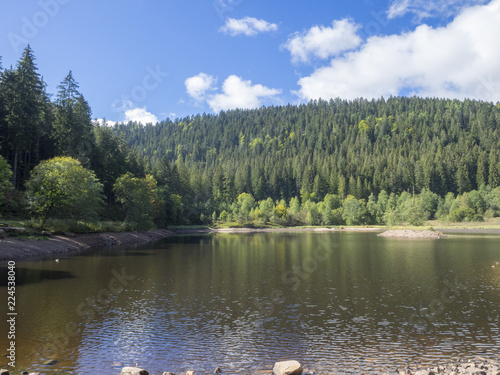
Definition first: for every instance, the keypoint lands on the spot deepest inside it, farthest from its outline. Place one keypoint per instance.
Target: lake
(338, 302)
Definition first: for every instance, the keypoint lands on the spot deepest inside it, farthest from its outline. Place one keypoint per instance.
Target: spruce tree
(73, 124)
(27, 102)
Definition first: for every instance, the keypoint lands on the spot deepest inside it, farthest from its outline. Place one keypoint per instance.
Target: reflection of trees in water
(26, 276)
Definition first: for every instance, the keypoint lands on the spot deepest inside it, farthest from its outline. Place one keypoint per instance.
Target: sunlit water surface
(338, 302)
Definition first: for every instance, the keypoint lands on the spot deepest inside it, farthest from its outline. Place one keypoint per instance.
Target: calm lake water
(338, 302)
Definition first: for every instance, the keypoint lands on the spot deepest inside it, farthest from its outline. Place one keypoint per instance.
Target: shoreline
(21, 250)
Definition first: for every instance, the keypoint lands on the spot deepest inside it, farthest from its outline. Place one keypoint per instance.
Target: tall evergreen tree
(27, 103)
(73, 122)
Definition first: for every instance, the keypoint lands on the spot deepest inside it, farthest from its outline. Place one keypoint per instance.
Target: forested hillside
(347, 147)
(334, 162)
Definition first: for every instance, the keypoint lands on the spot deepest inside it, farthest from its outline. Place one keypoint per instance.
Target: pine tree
(73, 123)
(27, 102)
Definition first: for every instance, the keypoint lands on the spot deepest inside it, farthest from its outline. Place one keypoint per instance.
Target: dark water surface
(338, 302)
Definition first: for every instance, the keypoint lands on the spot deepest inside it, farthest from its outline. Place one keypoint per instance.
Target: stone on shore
(287, 368)
(133, 371)
(4, 372)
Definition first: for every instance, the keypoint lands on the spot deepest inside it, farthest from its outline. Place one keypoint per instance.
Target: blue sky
(147, 60)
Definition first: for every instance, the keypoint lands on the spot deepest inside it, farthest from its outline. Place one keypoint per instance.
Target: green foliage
(311, 213)
(444, 206)
(72, 129)
(244, 206)
(414, 212)
(338, 147)
(266, 209)
(355, 212)
(392, 217)
(139, 200)
(224, 216)
(5, 180)
(463, 209)
(429, 203)
(62, 188)
(27, 116)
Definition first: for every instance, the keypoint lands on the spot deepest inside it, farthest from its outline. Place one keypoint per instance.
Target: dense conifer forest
(385, 161)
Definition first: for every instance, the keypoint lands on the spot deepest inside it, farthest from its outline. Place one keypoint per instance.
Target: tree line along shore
(326, 163)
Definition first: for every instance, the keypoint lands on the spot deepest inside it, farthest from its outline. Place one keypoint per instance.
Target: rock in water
(50, 362)
(133, 371)
(189, 372)
(287, 368)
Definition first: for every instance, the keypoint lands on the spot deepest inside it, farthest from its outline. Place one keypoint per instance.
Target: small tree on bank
(62, 188)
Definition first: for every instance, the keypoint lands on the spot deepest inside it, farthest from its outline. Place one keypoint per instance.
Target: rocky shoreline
(70, 243)
(478, 366)
(413, 234)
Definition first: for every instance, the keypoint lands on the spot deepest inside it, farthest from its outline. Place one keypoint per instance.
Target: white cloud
(429, 8)
(199, 85)
(324, 42)
(248, 26)
(458, 60)
(236, 93)
(140, 115)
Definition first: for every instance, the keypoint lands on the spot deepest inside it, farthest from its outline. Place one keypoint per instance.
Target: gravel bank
(14, 249)
(413, 234)
(479, 366)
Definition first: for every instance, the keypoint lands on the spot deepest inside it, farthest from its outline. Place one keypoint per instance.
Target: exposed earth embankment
(15, 249)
